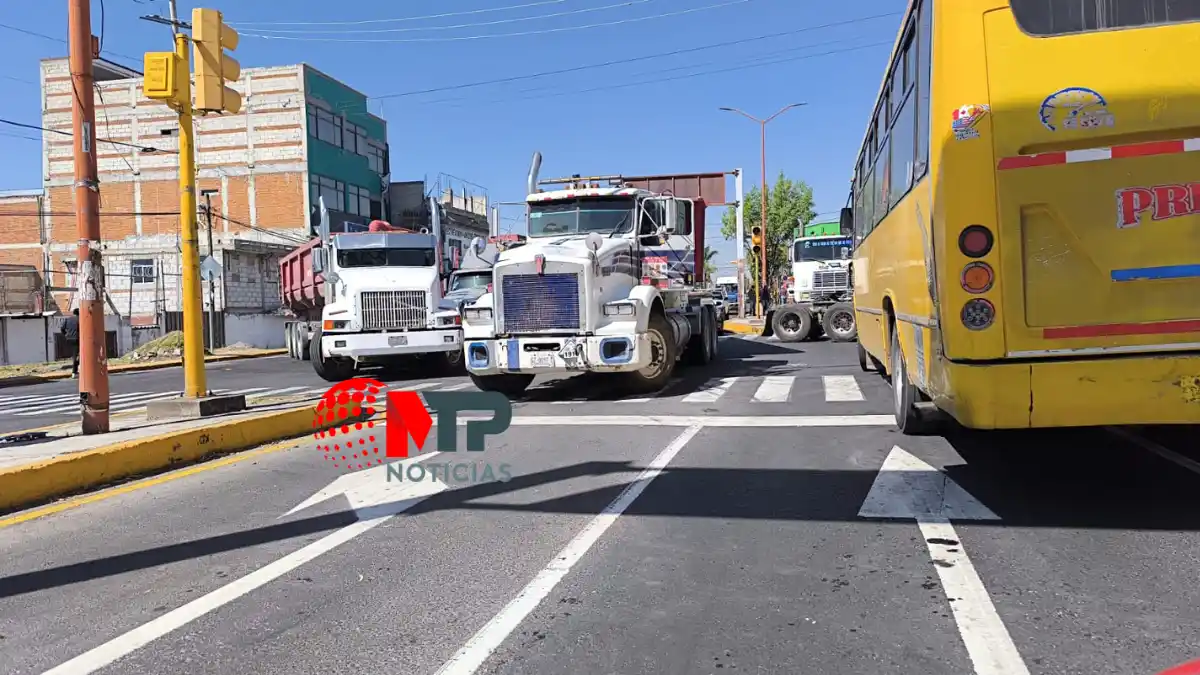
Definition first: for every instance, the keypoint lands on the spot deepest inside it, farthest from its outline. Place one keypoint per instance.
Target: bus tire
(905, 395)
(792, 323)
(839, 322)
(862, 359)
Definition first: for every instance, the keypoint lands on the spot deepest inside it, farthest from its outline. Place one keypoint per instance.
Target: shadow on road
(1083, 479)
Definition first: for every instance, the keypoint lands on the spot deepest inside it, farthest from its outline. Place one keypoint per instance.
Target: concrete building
(300, 134)
(465, 209)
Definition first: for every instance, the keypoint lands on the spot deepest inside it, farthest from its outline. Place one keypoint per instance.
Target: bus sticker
(1162, 201)
(965, 119)
(1075, 108)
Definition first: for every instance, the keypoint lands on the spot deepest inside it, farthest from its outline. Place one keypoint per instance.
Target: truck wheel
(663, 354)
(453, 363)
(302, 342)
(792, 323)
(715, 337)
(289, 342)
(905, 395)
(330, 370)
(700, 346)
(511, 385)
(839, 322)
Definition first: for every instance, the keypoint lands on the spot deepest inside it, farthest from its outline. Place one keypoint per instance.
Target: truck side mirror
(847, 221)
(670, 213)
(447, 267)
(318, 260)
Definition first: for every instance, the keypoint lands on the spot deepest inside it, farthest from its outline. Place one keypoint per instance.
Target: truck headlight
(334, 325)
(450, 320)
(477, 315)
(624, 308)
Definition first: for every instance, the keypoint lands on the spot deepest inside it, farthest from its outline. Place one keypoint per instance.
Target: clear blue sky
(667, 122)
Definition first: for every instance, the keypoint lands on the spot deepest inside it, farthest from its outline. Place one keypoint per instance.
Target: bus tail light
(975, 241)
(977, 277)
(978, 314)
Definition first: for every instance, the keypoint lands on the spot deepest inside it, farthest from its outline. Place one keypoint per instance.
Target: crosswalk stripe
(711, 394)
(72, 403)
(841, 388)
(456, 387)
(775, 389)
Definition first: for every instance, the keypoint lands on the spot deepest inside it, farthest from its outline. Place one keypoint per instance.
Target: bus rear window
(1045, 18)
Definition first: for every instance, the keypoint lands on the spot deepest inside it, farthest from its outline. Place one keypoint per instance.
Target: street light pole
(760, 304)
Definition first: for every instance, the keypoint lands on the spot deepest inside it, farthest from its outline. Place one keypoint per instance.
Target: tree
(710, 267)
(789, 205)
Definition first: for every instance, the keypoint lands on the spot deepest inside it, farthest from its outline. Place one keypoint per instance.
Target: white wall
(25, 340)
(257, 330)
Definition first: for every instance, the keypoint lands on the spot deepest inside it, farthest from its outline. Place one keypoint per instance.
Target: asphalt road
(742, 529)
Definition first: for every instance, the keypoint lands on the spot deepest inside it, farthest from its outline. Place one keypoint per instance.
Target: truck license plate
(397, 340)
(542, 360)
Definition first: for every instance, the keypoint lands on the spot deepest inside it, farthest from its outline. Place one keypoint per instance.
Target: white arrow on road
(375, 501)
(910, 489)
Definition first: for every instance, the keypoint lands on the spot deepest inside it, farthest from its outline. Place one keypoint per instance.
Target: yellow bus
(1026, 212)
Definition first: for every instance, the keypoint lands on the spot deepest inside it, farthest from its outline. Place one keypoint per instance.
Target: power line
(656, 72)
(261, 230)
(520, 19)
(543, 31)
(541, 3)
(143, 148)
(635, 59)
(136, 59)
(622, 85)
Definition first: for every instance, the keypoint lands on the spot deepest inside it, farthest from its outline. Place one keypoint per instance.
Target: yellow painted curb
(32, 483)
(22, 380)
(742, 328)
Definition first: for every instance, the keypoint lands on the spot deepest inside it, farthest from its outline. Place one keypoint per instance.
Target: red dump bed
(299, 288)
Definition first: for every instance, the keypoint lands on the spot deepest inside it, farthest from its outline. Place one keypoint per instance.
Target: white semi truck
(604, 283)
(822, 298)
(374, 298)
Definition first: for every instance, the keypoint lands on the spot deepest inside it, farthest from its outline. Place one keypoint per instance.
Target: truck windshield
(467, 281)
(386, 257)
(581, 216)
(822, 249)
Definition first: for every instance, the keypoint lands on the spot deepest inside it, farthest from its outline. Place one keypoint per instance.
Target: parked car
(720, 304)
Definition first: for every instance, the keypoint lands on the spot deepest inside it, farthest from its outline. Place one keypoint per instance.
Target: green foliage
(710, 266)
(789, 205)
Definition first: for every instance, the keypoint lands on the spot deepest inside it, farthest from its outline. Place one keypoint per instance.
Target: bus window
(1045, 18)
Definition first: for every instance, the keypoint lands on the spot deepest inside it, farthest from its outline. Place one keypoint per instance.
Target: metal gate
(173, 321)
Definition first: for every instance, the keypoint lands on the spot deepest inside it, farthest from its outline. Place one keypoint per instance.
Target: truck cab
(603, 284)
(383, 302)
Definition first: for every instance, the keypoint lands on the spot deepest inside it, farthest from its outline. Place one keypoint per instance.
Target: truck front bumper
(614, 353)
(367, 345)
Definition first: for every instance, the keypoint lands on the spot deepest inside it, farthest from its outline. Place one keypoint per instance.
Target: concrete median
(22, 380)
(31, 484)
(743, 326)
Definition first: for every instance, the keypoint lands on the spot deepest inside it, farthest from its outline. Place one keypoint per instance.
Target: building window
(360, 201)
(325, 126)
(375, 158)
(141, 271)
(333, 192)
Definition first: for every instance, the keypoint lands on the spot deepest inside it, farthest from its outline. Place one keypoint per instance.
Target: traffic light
(164, 72)
(210, 38)
(756, 240)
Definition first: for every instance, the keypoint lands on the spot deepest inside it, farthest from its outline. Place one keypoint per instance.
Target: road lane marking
(472, 655)
(711, 394)
(841, 388)
(127, 643)
(775, 389)
(1158, 449)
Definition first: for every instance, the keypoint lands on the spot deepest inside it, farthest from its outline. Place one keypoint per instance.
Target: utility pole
(765, 233)
(93, 364)
(212, 284)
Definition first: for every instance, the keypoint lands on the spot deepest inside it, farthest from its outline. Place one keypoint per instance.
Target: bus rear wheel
(905, 395)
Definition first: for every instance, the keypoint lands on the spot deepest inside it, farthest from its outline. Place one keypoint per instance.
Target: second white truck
(604, 283)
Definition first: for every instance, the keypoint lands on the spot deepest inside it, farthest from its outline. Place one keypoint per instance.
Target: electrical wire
(622, 85)
(107, 124)
(261, 230)
(470, 12)
(135, 59)
(143, 148)
(544, 31)
(635, 59)
(538, 17)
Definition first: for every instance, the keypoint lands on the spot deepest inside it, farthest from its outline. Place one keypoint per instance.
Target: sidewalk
(39, 466)
(61, 370)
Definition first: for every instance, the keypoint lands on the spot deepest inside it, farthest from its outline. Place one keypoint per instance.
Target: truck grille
(535, 302)
(384, 310)
(833, 280)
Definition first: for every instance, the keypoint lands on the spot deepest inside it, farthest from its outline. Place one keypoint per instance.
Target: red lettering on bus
(1162, 201)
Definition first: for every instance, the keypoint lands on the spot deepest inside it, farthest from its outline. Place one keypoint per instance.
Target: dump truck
(370, 299)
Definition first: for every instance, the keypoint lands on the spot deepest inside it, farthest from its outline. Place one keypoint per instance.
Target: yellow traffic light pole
(168, 79)
(757, 247)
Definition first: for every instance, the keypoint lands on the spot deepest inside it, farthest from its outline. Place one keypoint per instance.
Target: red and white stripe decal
(1116, 329)
(1097, 154)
